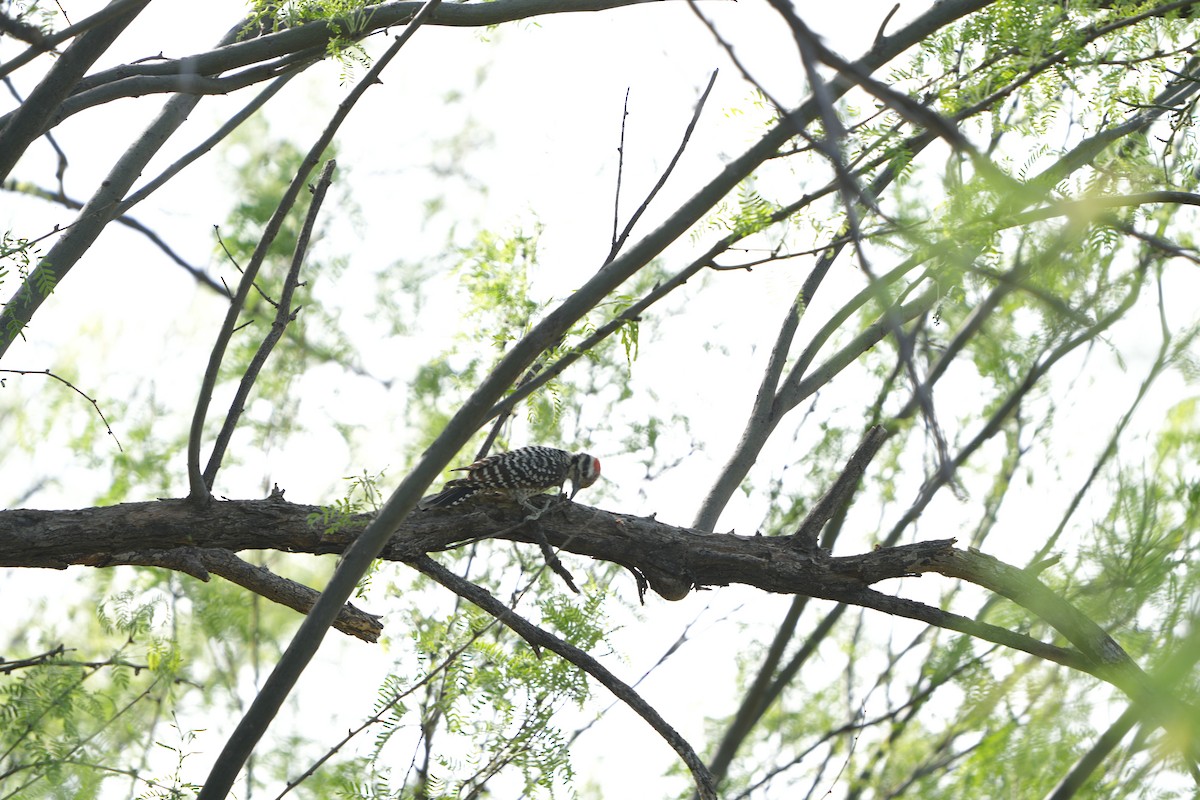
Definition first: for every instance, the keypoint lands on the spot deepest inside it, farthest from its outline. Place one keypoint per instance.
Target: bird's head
(583, 472)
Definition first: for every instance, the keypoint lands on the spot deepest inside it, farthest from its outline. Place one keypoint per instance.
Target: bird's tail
(453, 493)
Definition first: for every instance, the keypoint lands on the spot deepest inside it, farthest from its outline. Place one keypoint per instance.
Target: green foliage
(348, 22)
(31, 12)
(44, 278)
(61, 718)
(752, 214)
(362, 495)
(1141, 555)
(143, 468)
(20, 252)
(495, 274)
(487, 705)
(501, 300)
(175, 787)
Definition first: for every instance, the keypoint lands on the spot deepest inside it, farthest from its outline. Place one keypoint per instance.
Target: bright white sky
(551, 102)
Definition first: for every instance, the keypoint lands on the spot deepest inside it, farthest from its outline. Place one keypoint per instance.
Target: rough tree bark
(674, 561)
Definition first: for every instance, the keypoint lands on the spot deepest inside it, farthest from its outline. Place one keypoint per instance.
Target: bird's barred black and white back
(519, 474)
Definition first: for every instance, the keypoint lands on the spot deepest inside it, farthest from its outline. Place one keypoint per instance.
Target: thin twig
(61, 170)
(662, 180)
(671, 650)
(502, 419)
(8, 666)
(1013, 400)
(553, 561)
(73, 387)
(537, 376)
(883, 25)
(811, 50)
(378, 716)
(233, 260)
(620, 169)
(198, 485)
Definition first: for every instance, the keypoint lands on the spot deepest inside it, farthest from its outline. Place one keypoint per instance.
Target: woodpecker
(519, 474)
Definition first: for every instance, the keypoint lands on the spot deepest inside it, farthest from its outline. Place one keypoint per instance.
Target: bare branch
(198, 487)
(837, 498)
(185, 83)
(1074, 780)
(284, 314)
(107, 427)
(800, 385)
(768, 684)
(264, 53)
(620, 172)
(45, 43)
(1087, 208)
(619, 241)
(7, 667)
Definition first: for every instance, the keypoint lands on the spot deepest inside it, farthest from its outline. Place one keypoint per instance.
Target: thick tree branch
(178, 535)
(199, 562)
(185, 83)
(284, 591)
(140, 533)
(264, 54)
(27, 123)
(99, 210)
